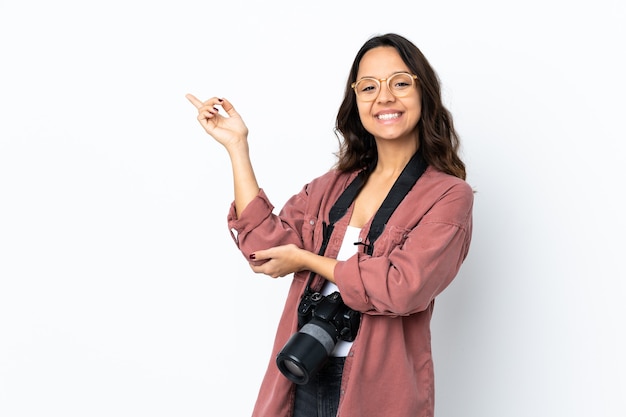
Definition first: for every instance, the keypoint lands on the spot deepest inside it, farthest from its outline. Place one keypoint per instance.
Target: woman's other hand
(277, 261)
(228, 131)
(283, 260)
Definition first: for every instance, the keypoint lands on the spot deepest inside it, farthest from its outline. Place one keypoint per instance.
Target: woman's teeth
(388, 116)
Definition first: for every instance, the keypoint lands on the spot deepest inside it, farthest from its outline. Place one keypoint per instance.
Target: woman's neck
(392, 158)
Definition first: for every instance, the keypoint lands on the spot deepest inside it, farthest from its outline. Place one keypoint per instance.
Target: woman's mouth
(388, 116)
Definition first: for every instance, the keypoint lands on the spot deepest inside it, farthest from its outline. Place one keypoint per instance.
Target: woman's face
(388, 117)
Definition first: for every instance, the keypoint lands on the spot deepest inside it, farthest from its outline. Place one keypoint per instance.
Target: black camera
(322, 321)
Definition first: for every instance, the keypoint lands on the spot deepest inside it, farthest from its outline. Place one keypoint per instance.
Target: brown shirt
(388, 371)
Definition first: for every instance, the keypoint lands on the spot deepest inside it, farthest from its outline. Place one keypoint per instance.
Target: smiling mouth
(388, 116)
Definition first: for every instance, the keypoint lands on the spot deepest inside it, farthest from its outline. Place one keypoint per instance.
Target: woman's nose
(385, 93)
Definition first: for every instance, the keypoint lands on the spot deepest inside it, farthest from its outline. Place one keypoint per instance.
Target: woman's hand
(232, 133)
(283, 260)
(277, 261)
(228, 131)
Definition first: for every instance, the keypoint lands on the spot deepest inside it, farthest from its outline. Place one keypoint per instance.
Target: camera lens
(293, 368)
(305, 352)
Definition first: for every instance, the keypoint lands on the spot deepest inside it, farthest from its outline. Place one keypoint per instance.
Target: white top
(348, 248)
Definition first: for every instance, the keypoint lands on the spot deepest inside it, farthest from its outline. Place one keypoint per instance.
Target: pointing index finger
(194, 100)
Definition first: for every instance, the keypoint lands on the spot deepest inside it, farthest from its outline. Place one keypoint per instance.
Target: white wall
(121, 293)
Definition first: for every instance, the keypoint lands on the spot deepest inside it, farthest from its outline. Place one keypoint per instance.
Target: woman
(391, 112)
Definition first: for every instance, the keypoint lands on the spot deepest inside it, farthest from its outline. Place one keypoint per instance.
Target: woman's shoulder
(440, 179)
(445, 190)
(331, 178)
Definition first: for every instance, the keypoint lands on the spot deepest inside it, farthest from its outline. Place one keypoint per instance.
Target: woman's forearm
(321, 265)
(245, 185)
(231, 132)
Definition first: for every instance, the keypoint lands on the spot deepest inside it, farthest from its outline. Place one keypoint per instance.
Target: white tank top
(348, 248)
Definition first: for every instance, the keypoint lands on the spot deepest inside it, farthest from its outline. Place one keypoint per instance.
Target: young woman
(379, 363)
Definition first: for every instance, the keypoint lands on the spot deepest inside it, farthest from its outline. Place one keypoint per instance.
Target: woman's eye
(367, 86)
(401, 81)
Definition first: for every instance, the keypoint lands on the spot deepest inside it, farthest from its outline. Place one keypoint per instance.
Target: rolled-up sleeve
(410, 267)
(257, 227)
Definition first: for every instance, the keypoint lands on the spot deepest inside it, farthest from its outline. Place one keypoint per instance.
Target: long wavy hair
(439, 142)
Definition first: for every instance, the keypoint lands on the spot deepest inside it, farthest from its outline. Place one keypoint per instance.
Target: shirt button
(311, 222)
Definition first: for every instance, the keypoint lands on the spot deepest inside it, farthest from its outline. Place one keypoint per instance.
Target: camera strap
(408, 177)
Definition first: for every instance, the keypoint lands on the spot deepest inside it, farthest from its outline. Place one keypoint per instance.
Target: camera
(322, 320)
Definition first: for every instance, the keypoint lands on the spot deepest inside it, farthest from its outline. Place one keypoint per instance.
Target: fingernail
(220, 100)
(252, 256)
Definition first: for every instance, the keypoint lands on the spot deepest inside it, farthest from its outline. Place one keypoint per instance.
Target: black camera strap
(408, 177)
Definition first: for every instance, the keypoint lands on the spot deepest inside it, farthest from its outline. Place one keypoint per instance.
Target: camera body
(322, 320)
(324, 310)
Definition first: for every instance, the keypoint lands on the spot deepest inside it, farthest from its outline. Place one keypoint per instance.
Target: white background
(121, 293)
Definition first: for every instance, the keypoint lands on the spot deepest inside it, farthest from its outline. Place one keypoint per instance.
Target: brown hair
(439, 142)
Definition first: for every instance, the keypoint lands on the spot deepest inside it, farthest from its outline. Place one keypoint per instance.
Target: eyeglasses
(368, 88)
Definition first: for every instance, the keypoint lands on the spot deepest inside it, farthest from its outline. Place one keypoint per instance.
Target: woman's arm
(415, 264)
(232, 133)
(283, 260)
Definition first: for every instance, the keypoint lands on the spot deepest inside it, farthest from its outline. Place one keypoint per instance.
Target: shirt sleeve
(259, 228)
(419, 263)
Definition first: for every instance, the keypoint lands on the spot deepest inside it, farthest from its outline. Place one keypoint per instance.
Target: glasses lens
(367, 88)
(400, 84)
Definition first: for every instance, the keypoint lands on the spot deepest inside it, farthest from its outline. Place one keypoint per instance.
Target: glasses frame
(379, 81)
